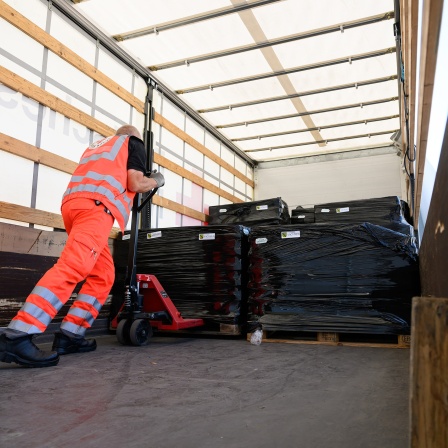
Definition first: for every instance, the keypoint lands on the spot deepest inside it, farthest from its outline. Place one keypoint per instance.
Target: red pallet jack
(146, 303)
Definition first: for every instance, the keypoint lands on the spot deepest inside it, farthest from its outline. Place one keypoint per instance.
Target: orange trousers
(86, 256)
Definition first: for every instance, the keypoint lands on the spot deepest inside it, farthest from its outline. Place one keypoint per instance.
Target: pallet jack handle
(131, 297)
(147, 199)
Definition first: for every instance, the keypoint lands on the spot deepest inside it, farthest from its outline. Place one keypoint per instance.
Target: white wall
(331, 181)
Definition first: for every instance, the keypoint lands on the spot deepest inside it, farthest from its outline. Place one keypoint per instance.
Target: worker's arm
(139, 183)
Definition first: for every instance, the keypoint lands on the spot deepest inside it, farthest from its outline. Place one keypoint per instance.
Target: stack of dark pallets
(202, 269)
(355, 270)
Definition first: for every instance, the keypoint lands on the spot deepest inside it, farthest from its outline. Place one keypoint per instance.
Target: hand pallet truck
(146, 303)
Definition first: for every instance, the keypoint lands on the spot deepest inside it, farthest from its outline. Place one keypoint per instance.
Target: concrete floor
(207, 393)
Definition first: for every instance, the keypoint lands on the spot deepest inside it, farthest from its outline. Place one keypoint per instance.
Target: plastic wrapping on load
(301, 215)
(202, 269)
(351, 278)
(379, 211)
(401, 227)
(406, 212)
(389, 212)
(264, 212)
(340, 315)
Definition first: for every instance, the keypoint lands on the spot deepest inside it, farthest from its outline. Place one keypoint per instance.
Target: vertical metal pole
(148, 139)
(131, 279)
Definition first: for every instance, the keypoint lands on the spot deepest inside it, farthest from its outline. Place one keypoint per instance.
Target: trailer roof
(279, 78)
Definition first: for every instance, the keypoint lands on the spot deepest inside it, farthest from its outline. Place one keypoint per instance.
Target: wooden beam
(39, 35)
(21, 213)
(434, 246)
(38, 155)
(409, 33)
(19, 84)
(30, 152)
(30, 215)
(429, 373)
(411, 63)
(45, 39)
(15, 82)
(201, 148)
(432, 13)
(166, 163)
(179, 208)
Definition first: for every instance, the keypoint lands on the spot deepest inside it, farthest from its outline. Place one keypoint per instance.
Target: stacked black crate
(301, 215)
(334, 277)
(266, 211)
(202, 269)
(387, 212)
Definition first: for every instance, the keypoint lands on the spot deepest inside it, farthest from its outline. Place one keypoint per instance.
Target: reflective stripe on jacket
(102, 175)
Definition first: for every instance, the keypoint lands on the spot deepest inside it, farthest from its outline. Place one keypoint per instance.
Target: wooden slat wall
(201, 148)
(45, 39)
(431, 17)
(409, 25)
(434, 245)
(429, 383)
(39, 155)
(47, 158)
(39, 35)
(27, 88)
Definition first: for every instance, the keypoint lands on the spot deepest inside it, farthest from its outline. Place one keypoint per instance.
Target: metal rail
(314, 142)
(340, 27)
(343, 60)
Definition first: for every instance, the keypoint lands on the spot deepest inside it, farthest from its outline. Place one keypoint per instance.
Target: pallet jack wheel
(140, 332)
(123, 331)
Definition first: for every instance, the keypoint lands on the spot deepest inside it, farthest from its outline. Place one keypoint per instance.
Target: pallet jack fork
(146, 303)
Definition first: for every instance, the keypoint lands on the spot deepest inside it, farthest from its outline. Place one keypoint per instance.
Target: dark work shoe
(65, 345)
(23, 351)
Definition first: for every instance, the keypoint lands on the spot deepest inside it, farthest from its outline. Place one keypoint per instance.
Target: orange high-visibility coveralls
(96, 195)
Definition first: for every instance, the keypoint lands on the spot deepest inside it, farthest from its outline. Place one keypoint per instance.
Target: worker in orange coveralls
(111, 171)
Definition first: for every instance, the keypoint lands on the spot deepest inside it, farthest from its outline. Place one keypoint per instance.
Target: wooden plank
(409, 24)
(38, 155)
(328, 337)
(201, 148)
(19, 84)
(229, 329)
(431, 18)
(411, 63)
(179, 208)
(429, 373)
(29, 215)
(26, 240)
(166, 163)
(39, 35)
(334, 339)
(32, 30)
(30, 152)
(434, 245)
(33, 216)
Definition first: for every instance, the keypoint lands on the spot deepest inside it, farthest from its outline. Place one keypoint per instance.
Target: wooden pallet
(337, 339)
(223, 330)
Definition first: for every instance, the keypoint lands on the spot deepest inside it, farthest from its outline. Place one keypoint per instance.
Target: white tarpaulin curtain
(331, 87)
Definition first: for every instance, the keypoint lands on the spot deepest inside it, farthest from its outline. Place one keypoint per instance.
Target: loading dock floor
(207, 393)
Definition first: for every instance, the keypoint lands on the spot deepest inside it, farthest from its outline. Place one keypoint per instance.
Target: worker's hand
(158, 177)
